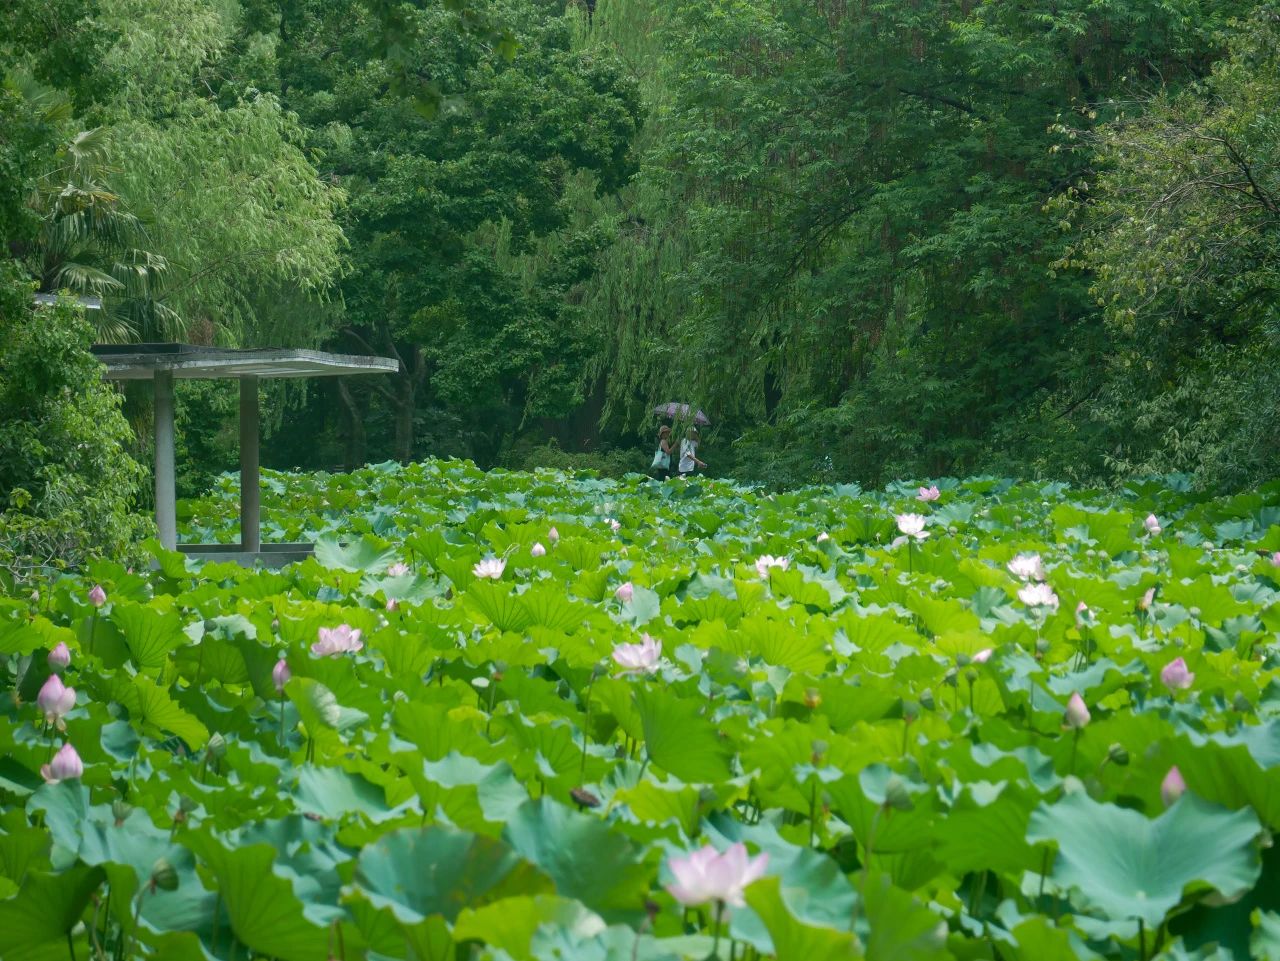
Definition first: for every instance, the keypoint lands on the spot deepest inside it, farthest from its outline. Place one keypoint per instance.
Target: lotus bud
(982, 656)
(812, 698)
(1152, 524)
(971, 675)
(553, 535)
(97, 596)
(66, 765)
(120, 810)
(59, 657)
(1117, 755)
(275, 625)
(823, 537)
(951, 678)
(537, 550)
(1172, 787)
(910, 711)
(1175, 675)
(1076, 715)
(164, 876)
(210, 625)
(280, 675)
(625, 592)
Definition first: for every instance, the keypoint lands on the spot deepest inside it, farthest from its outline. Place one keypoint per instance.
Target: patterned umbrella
(675, 409)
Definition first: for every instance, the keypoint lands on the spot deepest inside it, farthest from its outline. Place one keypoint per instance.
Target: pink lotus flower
(1152, 524)
(767, 561)
(912, 525)
(280, 674)
(333, 641)
(1275, 559)
(625, 592)
(982, 656)
(1083, 614)
(537, 550)
(1077, 714)
(1175, 675)
(97, 596)
(55, 700)
(1172, 787)
(60, 657)
(553, 535)
(1038, 595)
(614, 525)
(1027, 567)
(392, 604)
(707, 875)
(66, 764)
(398, 569)
(930, 493)
(639, 658)
(490, 567)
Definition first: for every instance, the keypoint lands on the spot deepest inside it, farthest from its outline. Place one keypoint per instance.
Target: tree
(1183, 240)
(67, 484)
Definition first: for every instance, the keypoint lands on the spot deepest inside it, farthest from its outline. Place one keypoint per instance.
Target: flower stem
(715, 944)
(1075, 742)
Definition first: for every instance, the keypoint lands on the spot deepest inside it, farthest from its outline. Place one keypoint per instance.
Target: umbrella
(674, 409)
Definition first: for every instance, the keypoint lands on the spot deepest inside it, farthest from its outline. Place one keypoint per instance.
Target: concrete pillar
(250, 485)
(166, 502)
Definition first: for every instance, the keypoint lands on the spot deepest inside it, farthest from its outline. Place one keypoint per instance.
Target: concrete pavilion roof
(187, 361)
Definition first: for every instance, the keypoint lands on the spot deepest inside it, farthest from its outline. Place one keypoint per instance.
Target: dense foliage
(1040, 725)
(870, 239)
(68, 487)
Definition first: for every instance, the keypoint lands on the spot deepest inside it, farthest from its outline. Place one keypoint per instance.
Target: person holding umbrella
(688, 460)
(664, 458)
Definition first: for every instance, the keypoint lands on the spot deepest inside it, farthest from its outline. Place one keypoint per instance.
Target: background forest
(871, 239)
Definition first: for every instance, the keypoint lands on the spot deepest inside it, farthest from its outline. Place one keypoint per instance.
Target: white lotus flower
(767, 561)
(1038, 595)
(912, 525)
(639, 658)
(490, 567)
(1027, 567)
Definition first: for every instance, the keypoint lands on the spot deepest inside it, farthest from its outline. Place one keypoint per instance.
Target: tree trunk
(356, 444)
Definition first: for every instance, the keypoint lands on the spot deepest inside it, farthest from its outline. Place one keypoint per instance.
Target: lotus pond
(543, 716)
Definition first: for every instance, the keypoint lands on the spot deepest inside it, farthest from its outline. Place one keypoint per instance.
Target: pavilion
(163, 363)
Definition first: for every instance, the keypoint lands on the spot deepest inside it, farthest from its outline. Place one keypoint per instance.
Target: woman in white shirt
(689, 453)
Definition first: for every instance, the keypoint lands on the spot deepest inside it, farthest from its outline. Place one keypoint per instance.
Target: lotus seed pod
(971, 675)
(187, 804)
(910, 711)
(217, 746)
(926, 700)
(1118, 755)
(164, 876)
(896, 795)
(951, 678)
(1042, 645)
(812, 698)
(963, 660)
(818, 749)
(120, 810)
(1241, 703)
(210, 625)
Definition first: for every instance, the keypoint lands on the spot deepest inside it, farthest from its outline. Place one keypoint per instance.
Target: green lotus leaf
(679, 739)
(368, 555)
(1127, 866)
(149, 634)
(45, 909)
(793, 938)
(582, 856)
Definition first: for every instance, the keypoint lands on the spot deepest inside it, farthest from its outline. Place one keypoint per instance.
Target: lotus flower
(640, 658)
(1275, 559)
(707, 875)
(930, 493)
(766, 561)
(392, 604)
(337, 640)
(59, 657)
(912, 525)
(1172, 787)
(614, 524)
(982, 656)
(1083, 614)
(55, 700)
(1077, 714)
(1027, 567)
(490, 567)
(66, 764)
(398, 569)
(625, 592)
(553, 535)
(1038, 595)
(280, 674)
(1175, 675)
(1147, 599)
(537, 550)
(97, 596)
(823, 537)
(1152, 524)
